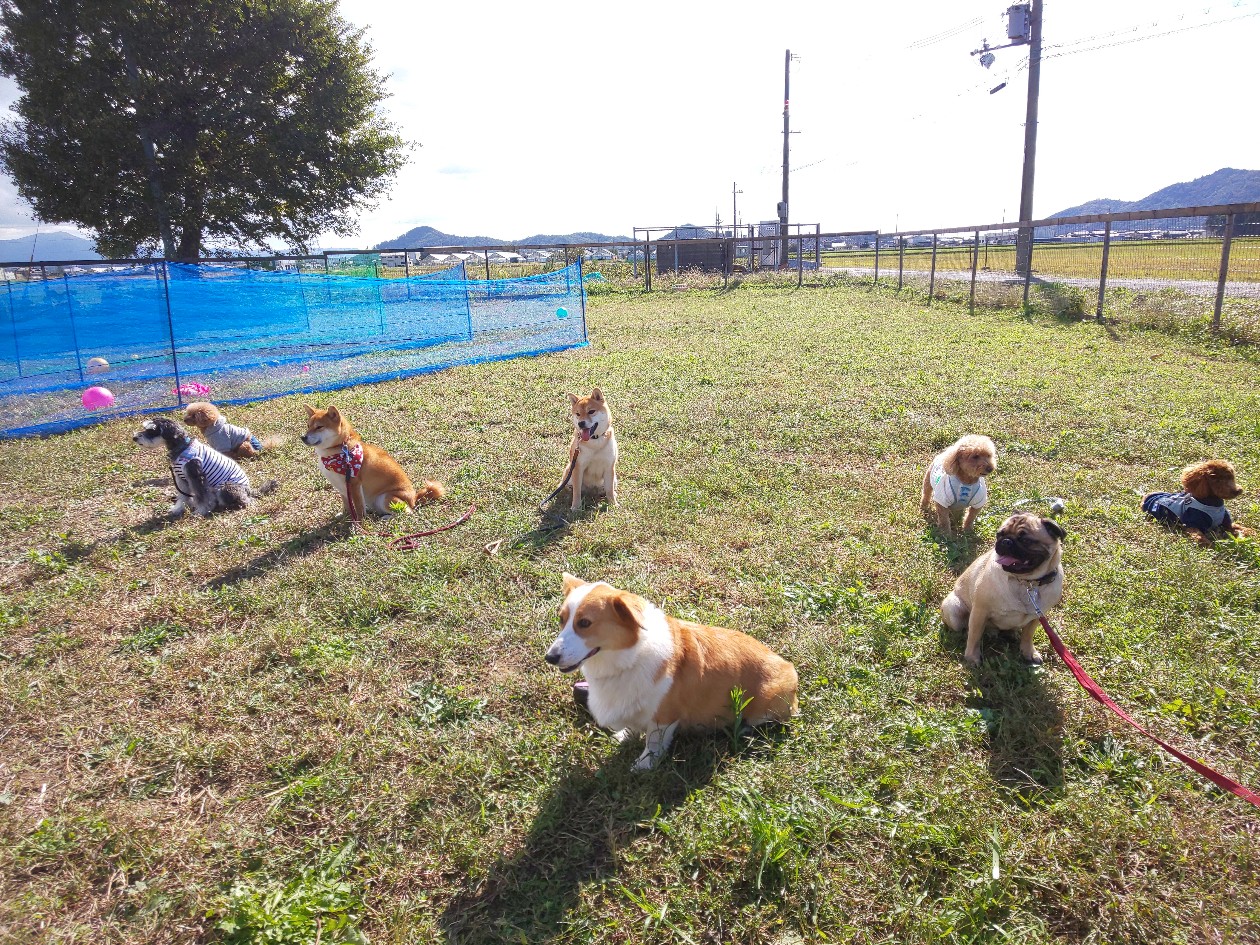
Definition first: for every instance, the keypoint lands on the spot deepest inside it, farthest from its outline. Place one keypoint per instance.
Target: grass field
(1128, 259)
(254, 729)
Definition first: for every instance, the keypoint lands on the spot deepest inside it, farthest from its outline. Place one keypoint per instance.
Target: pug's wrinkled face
(1026, 542)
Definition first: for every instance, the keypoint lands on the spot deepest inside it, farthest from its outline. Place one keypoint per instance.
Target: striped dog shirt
(218, 469)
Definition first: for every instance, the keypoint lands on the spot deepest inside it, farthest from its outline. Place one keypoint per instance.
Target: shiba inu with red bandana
(593, 450)
(379, 481)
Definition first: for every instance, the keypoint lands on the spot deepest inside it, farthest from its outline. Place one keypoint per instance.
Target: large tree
(186, 124)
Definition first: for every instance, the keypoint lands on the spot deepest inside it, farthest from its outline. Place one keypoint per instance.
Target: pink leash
(1089, 685)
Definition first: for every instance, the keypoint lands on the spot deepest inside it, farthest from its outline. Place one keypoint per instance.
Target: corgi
(379, 480)
(649, 673)
(593, 450)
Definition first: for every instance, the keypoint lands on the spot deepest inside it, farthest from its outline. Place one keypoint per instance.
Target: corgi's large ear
(597, 394)
(627, 610)
(570, 582)
(310, 411)
(572, 399)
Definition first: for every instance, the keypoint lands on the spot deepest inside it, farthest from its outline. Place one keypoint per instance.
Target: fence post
(406, 265)
(1028, 271)
(17, 352)
(876, 282)
(675, 252)
(170, 327)
(647, 263)
(817, 247)
(800, 261)
(1220, 282)
(74, 334)
(901, 260)
(1102, 274)
(634, 259)
(582, 296)
(932, 279)
(487, 252)
(325, 262)
(975, 260)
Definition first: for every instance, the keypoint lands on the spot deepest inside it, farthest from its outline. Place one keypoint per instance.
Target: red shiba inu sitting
(593, 450)
(379, 480)
(653, 674)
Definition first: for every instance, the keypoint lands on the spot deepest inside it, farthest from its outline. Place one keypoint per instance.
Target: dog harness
(348, 462)
(225, 437)
(219, 470)
(1184, 508)
(950, 492)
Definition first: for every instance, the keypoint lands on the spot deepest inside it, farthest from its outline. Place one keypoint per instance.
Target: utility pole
(783, 205)
(1023, 28)
(1023, 255)
(734, 215)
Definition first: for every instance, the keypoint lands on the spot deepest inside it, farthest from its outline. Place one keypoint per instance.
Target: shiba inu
(1028, 553)
(593, 450)
(652, 674)
(379, 481)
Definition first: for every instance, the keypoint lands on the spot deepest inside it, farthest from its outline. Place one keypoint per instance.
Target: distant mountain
(423, 236)
(1228, 185)
(54, 245)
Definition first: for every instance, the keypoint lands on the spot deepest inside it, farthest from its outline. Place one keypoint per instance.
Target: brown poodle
(222, 436)
(1201, 507)
(955, 480)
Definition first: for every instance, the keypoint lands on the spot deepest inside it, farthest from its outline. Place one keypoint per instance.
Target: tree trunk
(189, 244)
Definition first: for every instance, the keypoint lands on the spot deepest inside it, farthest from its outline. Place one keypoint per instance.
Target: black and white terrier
(204, 479)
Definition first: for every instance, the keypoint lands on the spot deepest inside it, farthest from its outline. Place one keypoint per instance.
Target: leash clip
(1034, 598)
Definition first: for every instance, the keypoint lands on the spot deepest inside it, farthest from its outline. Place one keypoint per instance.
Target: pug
(1028, 553)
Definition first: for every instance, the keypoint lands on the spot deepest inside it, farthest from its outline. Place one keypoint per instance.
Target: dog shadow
(588, 816)
(554, 523)
(957, 550)
(298, 546)
(1022, 716)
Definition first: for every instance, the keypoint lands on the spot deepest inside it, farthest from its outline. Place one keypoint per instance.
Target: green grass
(254, 729)
(1198, 259)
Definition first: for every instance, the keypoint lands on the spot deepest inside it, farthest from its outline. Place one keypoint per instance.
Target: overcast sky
(545, 118)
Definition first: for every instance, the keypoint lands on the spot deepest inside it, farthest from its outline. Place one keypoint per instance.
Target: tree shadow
(1023, 718)
(586, 819)
(298, 546)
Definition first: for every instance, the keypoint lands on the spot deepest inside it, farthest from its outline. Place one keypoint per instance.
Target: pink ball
(94, 398)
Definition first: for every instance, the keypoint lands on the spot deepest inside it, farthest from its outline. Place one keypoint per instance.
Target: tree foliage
(184, 124)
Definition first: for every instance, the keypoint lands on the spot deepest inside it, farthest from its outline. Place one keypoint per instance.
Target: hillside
(1228, 185)
(53, 245)
(423, 236)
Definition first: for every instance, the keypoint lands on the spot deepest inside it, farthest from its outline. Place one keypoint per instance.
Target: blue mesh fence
(164, 332)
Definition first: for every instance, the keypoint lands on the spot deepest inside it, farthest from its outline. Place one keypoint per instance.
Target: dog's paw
(622, 736)
(647, 761)
(973, 659)
(1033, 659)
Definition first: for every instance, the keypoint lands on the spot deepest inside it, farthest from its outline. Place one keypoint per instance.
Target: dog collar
(1038, 582)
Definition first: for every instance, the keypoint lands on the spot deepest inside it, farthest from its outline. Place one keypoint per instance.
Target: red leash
(409, 542)
(1089, 685)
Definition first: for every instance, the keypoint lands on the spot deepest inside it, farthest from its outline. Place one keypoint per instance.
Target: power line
(1071, 49)
(950, 33)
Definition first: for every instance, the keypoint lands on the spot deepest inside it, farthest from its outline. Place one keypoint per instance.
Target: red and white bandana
(348, 458)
